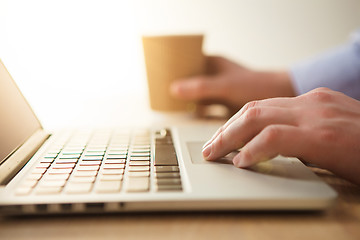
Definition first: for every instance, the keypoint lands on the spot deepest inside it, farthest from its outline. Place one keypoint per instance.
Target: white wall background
(76, 60)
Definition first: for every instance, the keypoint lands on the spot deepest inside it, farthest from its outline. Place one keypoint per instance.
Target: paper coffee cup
(169, 58)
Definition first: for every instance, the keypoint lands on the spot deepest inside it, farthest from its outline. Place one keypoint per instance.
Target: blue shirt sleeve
(337, 69)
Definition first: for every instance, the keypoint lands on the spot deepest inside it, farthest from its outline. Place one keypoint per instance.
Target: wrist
(285, 84)
(280, 83)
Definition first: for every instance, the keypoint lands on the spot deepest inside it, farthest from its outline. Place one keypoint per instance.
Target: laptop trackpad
(195, 150)
(279, 167)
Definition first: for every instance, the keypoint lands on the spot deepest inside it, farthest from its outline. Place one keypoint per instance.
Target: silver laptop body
(138, 169)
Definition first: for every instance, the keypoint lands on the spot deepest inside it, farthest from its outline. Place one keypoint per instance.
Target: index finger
(245, 128)
(275, 102)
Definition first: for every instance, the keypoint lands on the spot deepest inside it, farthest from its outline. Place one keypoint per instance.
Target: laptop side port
(95, 207)
(66, 207)
(41, 208)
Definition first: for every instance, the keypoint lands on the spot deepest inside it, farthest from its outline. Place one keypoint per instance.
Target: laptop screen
(17, 121)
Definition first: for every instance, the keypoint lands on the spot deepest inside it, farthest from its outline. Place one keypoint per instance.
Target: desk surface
(340, 222)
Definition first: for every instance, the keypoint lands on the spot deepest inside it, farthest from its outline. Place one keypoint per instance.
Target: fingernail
(206, 152)
(175, 88)
(237, 161)
(242, 160)
(207, 143)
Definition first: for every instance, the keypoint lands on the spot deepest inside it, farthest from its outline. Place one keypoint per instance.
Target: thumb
(195, 88)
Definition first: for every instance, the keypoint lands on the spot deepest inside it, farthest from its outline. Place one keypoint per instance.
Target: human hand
(232, 84)
(321, 127)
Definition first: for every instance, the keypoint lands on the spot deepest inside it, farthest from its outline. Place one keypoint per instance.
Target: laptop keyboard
(106, 162)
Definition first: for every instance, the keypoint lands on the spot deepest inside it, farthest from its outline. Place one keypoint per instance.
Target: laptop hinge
(21, 156)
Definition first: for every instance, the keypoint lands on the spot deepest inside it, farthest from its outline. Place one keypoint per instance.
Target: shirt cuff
(338, 69)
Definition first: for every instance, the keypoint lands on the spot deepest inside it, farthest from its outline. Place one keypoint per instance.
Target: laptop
(137, 169)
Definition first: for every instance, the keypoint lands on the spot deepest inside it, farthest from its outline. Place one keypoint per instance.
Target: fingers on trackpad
(195, 150)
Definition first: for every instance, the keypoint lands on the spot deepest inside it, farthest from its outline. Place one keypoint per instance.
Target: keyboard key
(69, 156)
(22, 191)
(168, 181)
(50, 155)
(118, 147)
(112, 156)
(90, 163)
(47, 190)
(108, 186)
(97, 148)
(78, 188)
(139, 168)
(115, 161)
(85, 173)
(140, 184)
(29, 183)
(117, 152)
(94, 153)
(166, 169)
(141, 146)
(39, 170)
(139, 163)
(58, 183)
(113, 165)
(55, 177)
(112, 171)
(135, 154)
(88, 168)
(34, 176)
(165, 155)
(92, 158)
(140, 150)
(72, 152)
(169, 188)
(63, 165)
(59, 171)
(147, 158)
(43, 165)
(139, 174)
(47, 160)
(54, 150)
(65, 161)
(114, 177)
(79, 179)
(167, 175)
